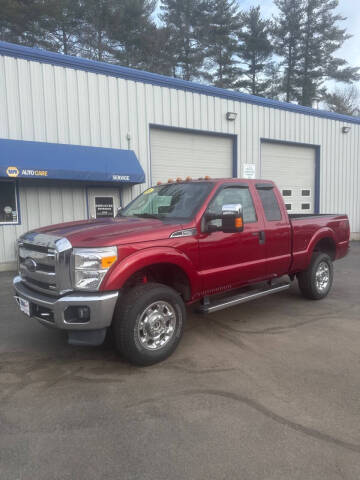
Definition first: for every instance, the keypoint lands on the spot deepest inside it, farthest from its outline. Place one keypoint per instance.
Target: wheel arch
(324, 242)
(165, 273)
(326, 245)
(163, 265)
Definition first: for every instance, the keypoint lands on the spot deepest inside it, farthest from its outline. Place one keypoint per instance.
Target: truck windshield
(171, 201)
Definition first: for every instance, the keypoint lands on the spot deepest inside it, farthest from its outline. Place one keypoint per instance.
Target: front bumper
(51, 311)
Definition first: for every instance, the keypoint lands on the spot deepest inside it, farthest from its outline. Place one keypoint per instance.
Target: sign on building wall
(104, 207)
(249, 170)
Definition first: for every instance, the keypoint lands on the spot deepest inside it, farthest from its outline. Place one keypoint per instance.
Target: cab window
(270, 204)
(235, 195)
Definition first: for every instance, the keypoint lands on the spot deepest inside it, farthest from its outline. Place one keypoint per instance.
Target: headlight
(91, 266)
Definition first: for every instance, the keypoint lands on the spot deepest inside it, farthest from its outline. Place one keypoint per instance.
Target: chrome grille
(44, 263)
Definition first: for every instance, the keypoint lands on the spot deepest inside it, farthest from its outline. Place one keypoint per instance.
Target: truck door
(232, 259)
(277, 230)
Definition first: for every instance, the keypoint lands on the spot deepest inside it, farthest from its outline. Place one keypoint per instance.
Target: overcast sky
(347, 8)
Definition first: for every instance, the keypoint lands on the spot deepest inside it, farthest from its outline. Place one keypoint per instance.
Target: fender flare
(145, 258)
(324, 232)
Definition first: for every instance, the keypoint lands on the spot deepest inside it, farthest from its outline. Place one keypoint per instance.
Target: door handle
(261, 235)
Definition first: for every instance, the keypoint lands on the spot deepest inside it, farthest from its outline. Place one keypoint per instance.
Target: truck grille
(42, 264)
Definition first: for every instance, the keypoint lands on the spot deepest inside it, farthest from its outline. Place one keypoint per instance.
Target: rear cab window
(269, 202)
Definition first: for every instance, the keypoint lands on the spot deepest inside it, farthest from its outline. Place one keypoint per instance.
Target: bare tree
(344, 100)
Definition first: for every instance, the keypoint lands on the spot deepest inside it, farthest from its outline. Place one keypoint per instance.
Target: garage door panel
(292, 168)
(181, 154)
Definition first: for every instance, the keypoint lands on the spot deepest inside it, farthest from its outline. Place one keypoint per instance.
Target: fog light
(83, 313)
(78, 314)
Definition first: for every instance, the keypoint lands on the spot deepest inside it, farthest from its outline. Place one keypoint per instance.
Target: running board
(243, 298)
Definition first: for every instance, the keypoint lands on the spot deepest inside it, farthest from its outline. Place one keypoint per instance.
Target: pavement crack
(269, 330)
(311, 432)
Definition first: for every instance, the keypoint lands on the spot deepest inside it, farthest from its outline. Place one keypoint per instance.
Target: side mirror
(232, 218)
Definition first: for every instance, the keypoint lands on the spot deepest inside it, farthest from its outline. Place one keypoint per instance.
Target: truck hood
(111, 231)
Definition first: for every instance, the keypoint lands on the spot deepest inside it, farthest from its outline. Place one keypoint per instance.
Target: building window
(8, 203)
(270, 204)
(305, 206)
(286, 193)
(305, 193)
(288, 206)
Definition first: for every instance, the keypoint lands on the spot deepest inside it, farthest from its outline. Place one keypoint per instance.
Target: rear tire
(148, 323)
(315, 282)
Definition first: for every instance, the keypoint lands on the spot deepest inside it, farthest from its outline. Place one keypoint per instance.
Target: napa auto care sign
(14, 172)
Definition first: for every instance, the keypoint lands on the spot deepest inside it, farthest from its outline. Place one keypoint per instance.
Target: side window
(234, 195)
(270, 204)
(8, 203)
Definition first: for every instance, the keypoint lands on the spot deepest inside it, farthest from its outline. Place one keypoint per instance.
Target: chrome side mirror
(232, 218)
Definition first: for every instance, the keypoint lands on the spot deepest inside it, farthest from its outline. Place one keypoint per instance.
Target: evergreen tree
(132, 32)
(272, 73)
(254, 51)
(221, 23)
(157, 51)
(183, 19)
(287, 36)
(94, 40)
(321, 37)
(61, 23)
(20, 21)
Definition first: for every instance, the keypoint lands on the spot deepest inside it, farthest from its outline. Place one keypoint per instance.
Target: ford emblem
(30, 264)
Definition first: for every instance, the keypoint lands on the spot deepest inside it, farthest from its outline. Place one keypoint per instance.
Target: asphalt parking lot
(266, 390)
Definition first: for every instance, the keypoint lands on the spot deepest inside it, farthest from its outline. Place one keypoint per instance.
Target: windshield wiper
(147, 215)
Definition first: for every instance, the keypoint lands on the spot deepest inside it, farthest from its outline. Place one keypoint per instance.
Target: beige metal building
(78, 138)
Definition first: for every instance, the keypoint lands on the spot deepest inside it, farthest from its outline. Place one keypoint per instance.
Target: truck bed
(296, 216)
(307, 227)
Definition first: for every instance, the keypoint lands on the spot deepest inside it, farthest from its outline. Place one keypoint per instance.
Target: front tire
(315, 282)
(148, 323)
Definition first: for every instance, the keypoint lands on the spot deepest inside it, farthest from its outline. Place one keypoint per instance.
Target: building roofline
(78, 63)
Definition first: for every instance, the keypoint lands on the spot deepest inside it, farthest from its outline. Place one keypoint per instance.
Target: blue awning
(22, 159)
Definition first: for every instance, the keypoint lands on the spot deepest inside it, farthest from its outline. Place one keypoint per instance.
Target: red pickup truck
(216, 243)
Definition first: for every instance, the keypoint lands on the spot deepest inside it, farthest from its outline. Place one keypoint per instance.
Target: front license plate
(24, 306)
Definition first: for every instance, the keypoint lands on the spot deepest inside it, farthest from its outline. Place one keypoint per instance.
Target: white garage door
(181, 154)
(292, 168)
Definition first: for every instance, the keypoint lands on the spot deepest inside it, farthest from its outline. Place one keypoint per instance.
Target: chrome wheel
(322, 276)
(156, 325)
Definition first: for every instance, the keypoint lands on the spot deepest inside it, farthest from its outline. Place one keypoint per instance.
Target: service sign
(249, 170)
(121, 178)
(104, 207)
